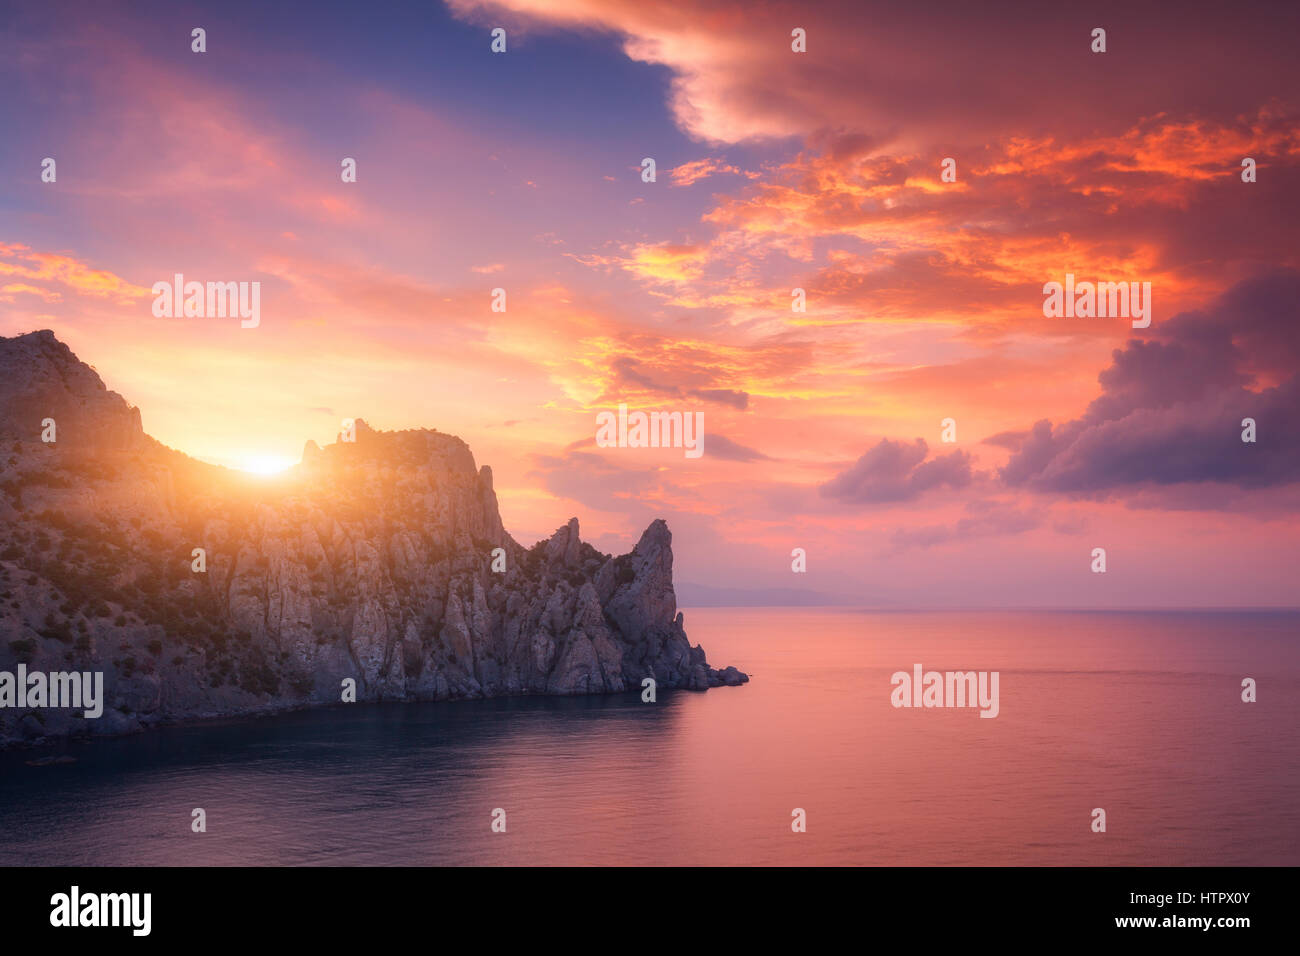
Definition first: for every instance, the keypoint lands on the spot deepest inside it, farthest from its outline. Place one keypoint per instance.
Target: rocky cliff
(372, 560)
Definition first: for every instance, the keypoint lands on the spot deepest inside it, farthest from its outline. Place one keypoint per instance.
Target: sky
(775, 170)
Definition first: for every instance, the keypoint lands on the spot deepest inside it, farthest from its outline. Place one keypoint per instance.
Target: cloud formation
(1172, 408)
(895, 471)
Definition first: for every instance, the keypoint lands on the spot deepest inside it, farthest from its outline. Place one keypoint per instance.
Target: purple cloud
(720, 446)
(1172, 407)
(896, 471)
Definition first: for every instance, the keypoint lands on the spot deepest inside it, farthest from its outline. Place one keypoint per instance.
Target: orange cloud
(688, 174)
(67, 272)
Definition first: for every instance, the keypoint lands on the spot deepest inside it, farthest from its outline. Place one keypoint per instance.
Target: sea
(1137, 714)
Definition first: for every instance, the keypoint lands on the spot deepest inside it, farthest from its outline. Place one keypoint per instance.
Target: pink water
(1138, 714)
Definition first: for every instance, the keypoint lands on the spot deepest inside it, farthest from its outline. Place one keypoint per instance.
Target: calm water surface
(1138, 713)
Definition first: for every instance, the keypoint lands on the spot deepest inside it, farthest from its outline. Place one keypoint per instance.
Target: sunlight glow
(265, 464)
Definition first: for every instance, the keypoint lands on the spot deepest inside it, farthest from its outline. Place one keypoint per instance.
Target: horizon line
(1178, 609)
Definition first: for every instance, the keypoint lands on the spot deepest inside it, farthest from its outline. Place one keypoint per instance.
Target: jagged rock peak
(564, 547)
(386, 563)
(41, 378)
(655, 537)
(411, 446)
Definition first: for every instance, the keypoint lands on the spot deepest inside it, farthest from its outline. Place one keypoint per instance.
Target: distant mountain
(370, 560)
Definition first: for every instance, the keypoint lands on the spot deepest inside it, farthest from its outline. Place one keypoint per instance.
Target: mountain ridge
(371, 560)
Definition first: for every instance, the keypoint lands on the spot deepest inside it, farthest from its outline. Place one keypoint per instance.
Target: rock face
(372, 560)
(40, 378)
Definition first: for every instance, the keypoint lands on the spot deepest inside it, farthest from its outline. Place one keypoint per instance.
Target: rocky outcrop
(381, 560)
(40, 379)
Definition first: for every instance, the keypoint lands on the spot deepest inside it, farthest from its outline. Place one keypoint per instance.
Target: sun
(265, 464)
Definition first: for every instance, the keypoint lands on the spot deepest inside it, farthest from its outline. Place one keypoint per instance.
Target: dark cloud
(715, 446)
(1010, 440)
(896, 471)
(1172, 407)
(588, 441)
(723, 396)
(628, 371)
(720, 446)
(843, 145)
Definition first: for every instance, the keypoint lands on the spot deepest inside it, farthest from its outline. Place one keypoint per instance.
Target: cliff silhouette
(371, 560)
